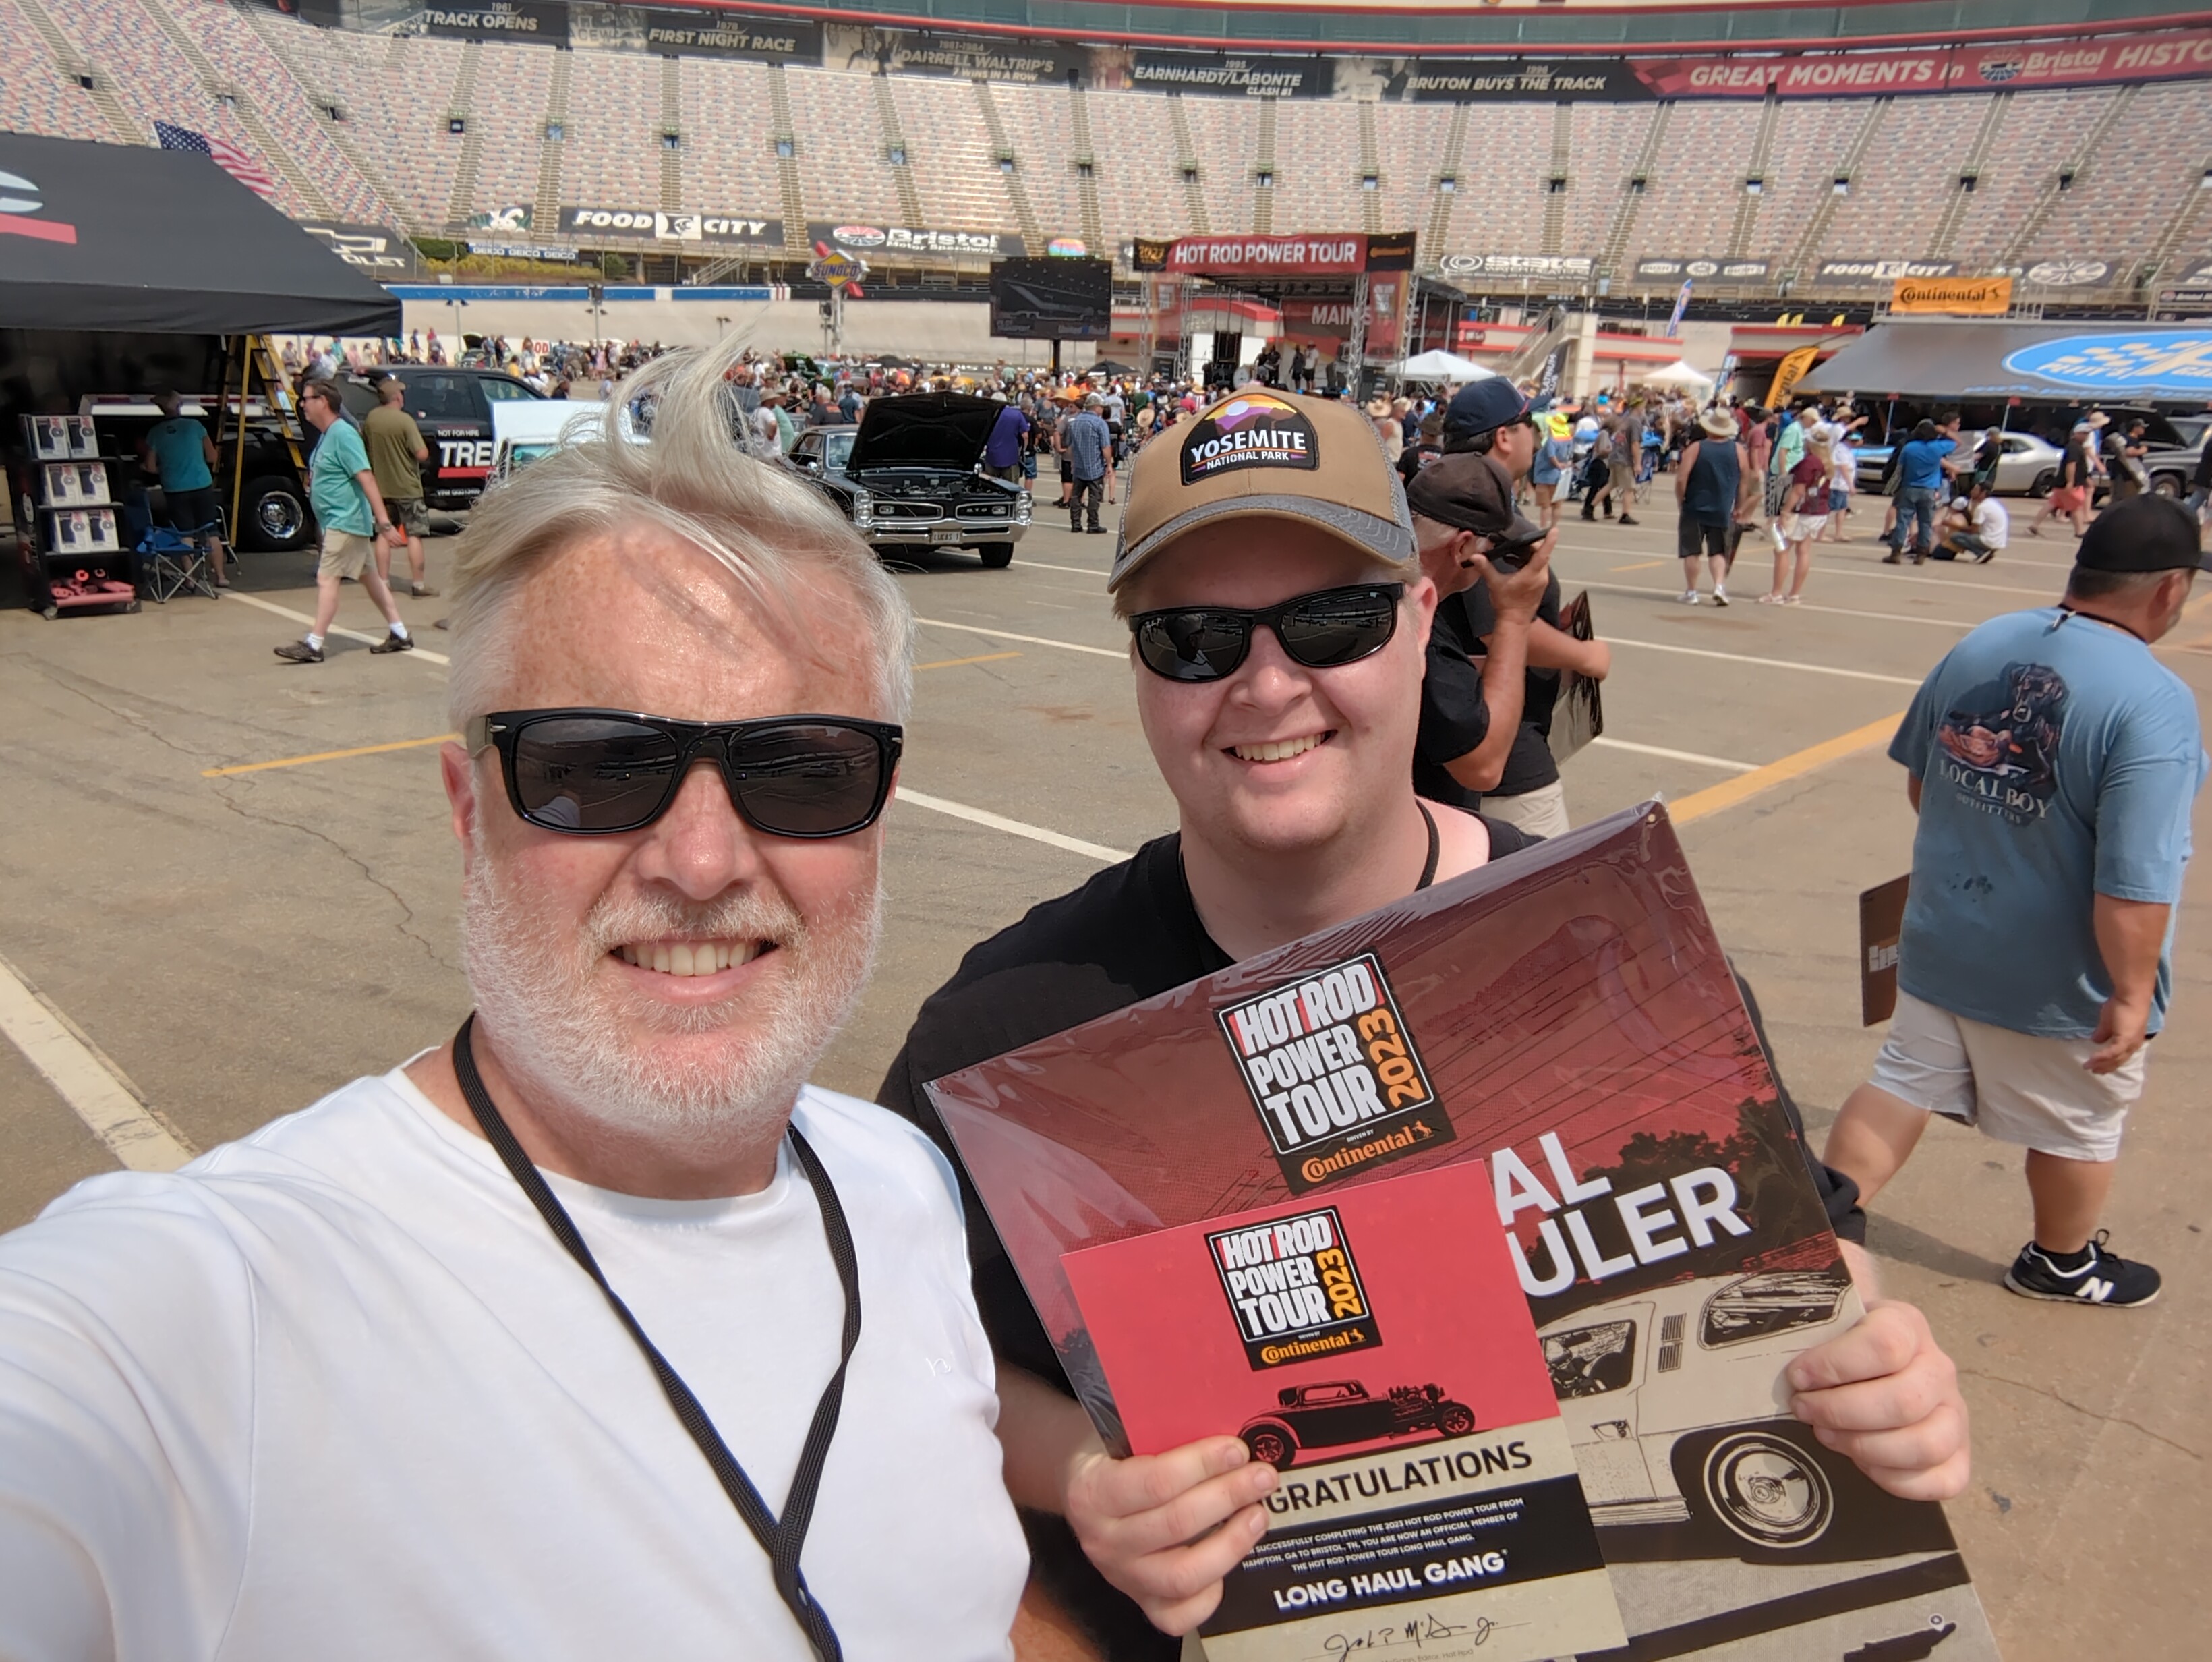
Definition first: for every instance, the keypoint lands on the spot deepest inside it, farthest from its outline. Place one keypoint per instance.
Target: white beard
(565, 1033)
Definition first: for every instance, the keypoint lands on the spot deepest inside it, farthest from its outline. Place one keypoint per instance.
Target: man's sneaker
(1625, 520)
(392, 643)
(1720, 597)
(2101, 1277)
(299, 652)
(1689, 597)
(422, 591)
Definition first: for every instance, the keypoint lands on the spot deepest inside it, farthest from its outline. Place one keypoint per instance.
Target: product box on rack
(1562, 1029)
(85, 531)
(75, 484)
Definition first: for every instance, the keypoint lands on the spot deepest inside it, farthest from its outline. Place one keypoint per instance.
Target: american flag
(228, 156)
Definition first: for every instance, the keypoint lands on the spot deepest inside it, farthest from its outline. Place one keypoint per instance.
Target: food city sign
(583, 222)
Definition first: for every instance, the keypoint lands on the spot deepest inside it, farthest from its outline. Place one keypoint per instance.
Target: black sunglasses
(1322, 630)
(592, 773)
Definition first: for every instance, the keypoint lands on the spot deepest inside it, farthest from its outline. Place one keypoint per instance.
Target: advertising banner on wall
(1987, 297)
(1146, 68)
(695, 33)
(2109, 61)
(873, 240)
(2057, 271)
(1709, 269)
(500, 20)
(377, 249)
(586, 224)
(962, 57)
(1516, 268)
(1878, 273)
(1485, 80)
(1320, 254)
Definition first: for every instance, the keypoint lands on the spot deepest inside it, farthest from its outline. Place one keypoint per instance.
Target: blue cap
(1483, 407)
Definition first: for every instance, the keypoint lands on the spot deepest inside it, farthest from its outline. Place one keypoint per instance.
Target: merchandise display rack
(69, 526)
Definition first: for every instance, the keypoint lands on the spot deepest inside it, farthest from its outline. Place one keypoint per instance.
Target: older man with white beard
(555, 1340)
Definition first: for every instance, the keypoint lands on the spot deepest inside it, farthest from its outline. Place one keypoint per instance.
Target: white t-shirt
(336, 1391)
(1992, 523)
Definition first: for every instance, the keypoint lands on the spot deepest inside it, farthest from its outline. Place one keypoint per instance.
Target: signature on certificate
(1408, 1637)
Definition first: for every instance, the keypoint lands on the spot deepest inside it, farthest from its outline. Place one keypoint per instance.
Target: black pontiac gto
(909, 476)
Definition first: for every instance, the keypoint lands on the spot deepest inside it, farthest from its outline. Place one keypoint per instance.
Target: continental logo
(1248, 429)
(1293, 1288)
(1334, 1074)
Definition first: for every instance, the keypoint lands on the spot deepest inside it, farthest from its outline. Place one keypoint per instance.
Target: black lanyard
(780, 1541)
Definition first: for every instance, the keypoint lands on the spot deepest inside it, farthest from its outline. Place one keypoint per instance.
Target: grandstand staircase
(552, 153)
(1086, 182)
(1806, 248)
(1438, 229)
(1370, 167)
(1632, 197)
(325, 104)
(672, 121)
(1263, 166)
(2180, 230)
(222, 88)
(1188, 170)
(894, 142)
(1977, 157)
(1010, 169)
(1555, 187)
(1747, 205)
(462, 203)
(76, 68)
(2075, 171)
(787, 167)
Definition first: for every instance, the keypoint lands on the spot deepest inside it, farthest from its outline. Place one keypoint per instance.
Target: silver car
(2028, 467)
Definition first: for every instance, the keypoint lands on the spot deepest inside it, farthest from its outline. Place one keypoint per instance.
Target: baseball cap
(2142, 533)
(1265, 455)
(1483, 407)
(1470, 492)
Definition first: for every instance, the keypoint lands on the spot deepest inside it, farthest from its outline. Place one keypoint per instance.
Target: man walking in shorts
(396, 454)
(2053, 762)
(1711, 485)
(350, 507)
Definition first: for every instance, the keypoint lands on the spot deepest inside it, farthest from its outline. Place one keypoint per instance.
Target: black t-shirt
(1129, 933)
(1454, 720)
(1530, 765)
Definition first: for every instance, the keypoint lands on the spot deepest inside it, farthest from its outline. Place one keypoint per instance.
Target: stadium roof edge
(1477, 30)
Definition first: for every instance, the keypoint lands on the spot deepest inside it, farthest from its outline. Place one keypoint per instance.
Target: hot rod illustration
(1338, 1412)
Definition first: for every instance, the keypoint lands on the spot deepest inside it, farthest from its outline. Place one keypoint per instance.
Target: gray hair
(761, 521)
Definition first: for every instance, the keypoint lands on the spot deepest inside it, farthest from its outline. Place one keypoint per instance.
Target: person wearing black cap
(1492, 417)
(2053, 762)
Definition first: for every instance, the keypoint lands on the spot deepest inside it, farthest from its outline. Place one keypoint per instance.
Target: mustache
(745, 913)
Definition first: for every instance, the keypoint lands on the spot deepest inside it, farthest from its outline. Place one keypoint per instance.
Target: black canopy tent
(125, 238)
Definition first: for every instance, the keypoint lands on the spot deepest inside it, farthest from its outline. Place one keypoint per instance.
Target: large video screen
(1052, 299)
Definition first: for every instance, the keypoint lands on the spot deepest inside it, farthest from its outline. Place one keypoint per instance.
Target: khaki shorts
(1540, 812)
(410, 513)
(344, 555)
(1802, 527)
(2017, 1088)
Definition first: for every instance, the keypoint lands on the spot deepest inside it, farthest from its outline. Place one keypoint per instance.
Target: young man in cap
(1289, 751)
(396, 451)
(2052, 761)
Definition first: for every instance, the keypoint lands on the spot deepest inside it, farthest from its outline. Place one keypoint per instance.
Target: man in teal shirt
(182, 455)
(349, 509)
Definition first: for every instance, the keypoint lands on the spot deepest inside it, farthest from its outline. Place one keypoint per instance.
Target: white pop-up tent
(1443, 366)
(1681, 374)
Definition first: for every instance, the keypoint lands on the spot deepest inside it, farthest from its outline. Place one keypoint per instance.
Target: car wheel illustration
(1272, 1444)
(1456, 1419)
(1767, 1489)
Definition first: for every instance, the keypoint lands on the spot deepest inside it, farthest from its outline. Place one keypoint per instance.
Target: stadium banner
(377, 249)
(2110, 60)
(1488, 80)
(870, 241)
(1878, 273)
(1981, 297)
(1517, 268)
(958, 57)
(1320, 253)
(2198, 275)
(1147, 68)
(2059, 271)
(499, 19)
(588, 223)
(514, 217)
(695, 33)
(1700, 268)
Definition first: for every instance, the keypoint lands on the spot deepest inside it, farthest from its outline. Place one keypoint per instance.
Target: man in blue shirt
(1002, 451)
(2053, 762)
(182, 455)
(349, 509)
(1090, 447)
(1924, 465)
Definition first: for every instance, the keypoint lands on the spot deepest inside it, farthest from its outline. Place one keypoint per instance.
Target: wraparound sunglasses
(1321, 629)
(593, 772)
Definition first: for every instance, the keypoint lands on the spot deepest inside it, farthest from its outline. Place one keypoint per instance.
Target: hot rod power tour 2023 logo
(1294, 1288)
(1333, 1072)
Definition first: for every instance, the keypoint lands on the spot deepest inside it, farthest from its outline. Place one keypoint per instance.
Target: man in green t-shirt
(395, 455)
(350, 507)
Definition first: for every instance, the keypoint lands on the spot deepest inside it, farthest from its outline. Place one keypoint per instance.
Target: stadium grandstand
(1592, 148)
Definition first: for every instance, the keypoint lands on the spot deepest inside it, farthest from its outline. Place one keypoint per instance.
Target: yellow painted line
(1731, 792)
(1640, 565)
(955, 663)
(328, 755)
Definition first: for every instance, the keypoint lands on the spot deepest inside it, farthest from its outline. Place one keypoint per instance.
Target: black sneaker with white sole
(394, 643)
(2101, 1277)
(299, 652)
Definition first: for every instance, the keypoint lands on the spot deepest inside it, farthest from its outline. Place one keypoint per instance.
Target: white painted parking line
(1667, 594)
(421, 651)
(1079, 570)
(1032, 640)
(1766, 548)
(1678, 755)
(1766, 663)
(998, 822)
(95, 1092)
